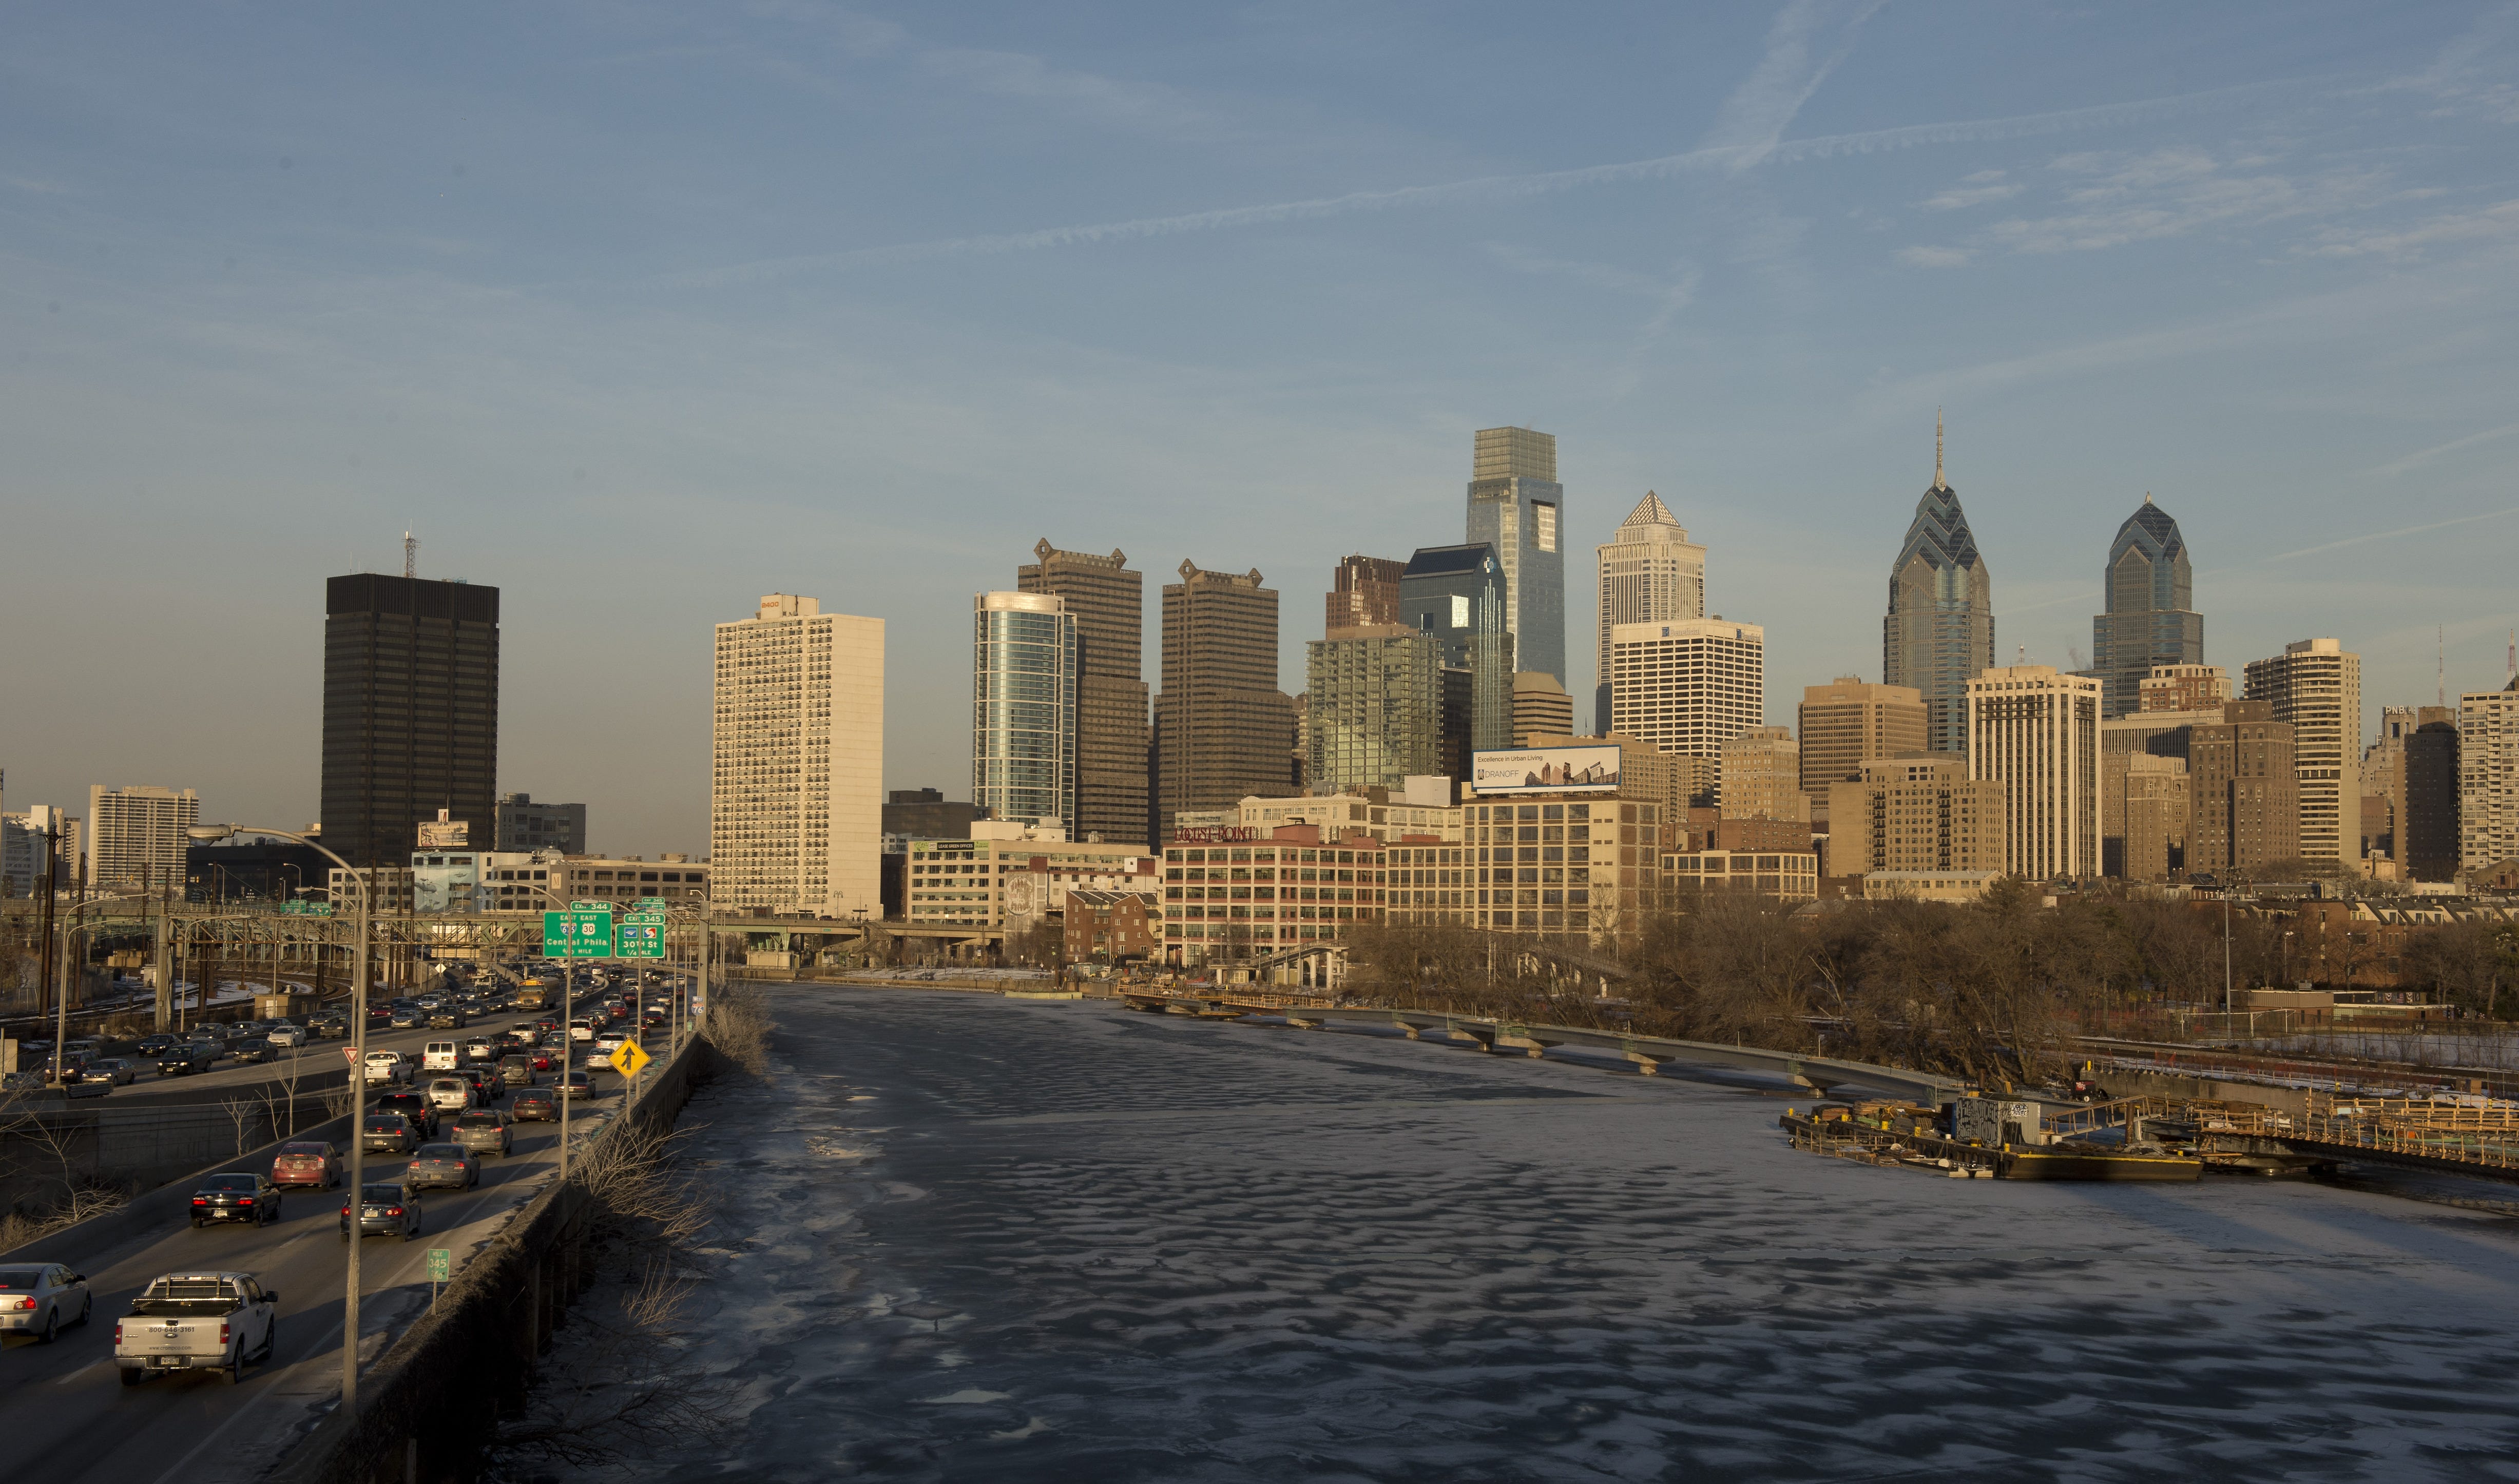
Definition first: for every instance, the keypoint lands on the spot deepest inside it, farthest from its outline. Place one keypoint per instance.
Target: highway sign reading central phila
(1546, 770)
(577, 934)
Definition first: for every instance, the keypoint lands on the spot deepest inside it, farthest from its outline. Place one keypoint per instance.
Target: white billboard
(444, 833)
(1546, 770)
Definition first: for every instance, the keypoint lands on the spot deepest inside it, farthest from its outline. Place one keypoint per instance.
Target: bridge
(1487, 1035)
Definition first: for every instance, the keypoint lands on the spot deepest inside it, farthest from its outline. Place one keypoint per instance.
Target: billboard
(446, 887)
(445, 834)
(1546, 770)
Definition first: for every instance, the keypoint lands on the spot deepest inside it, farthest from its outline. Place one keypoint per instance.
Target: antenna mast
(2440, 665)
(410, 555)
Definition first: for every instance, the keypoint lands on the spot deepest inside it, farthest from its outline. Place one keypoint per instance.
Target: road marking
(81, 1371)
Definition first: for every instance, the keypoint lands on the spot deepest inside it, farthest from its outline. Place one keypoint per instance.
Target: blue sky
(641, 310)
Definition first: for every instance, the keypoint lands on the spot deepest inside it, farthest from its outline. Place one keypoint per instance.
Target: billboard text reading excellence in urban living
(1545, 770)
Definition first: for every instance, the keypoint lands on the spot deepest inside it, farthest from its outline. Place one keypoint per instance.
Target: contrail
(1661, 167)
(2285, 557)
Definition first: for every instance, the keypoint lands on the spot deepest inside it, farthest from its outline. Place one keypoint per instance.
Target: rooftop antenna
(2510, 666)
(410, 555)
(1937, 449)
(2440, 665)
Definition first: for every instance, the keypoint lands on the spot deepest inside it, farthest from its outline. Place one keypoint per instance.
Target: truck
(220, 1321)
(535, 995)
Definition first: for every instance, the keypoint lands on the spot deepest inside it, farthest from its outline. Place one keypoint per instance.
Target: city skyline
(2255, 279)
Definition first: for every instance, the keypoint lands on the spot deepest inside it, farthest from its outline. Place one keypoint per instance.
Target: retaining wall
(152, 1213)
(429, 1406)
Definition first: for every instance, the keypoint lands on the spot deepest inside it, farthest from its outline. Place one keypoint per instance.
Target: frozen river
(966, 1237)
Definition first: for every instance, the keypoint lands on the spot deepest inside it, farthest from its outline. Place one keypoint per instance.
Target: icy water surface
(966, 1237)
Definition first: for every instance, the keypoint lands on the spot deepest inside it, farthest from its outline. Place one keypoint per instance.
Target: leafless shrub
(241, 1112)
(737, 1024)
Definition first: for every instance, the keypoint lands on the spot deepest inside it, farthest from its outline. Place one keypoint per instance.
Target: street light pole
(358, 1085)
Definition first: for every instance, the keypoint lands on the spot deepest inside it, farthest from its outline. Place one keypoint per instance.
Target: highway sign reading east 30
(577, 934)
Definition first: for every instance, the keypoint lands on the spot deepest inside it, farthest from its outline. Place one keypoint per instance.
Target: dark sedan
(255, 1049)
(411, 1105)
(450, 1166)
(534, 1105)
(384, 1210)
(388, 1133)
(236, 1198)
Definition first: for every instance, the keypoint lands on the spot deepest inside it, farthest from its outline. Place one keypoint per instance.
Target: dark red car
(308, 1162)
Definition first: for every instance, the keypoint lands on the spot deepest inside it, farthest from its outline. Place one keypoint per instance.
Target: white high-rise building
(796, 788)
(2036, 732)
(2315, 687)
(1687, 687)
(1651, 573)
(136, 835)
(2488, 777)
(1023, 678)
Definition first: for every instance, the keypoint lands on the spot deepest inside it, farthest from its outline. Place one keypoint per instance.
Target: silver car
(435, 1165)
(118, 1070)
(42, 1299)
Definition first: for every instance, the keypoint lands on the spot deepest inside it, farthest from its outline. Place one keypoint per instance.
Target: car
(413, 1106)
(608, 1044)
(442, 1164)
(310, 1162)
(197, 1322)
(581, 1029)
(186, 1059)
(485, 1132)
(405, 1018)
(151, 1045)
(576, 1084)
(486, 1081)
(439, 1056)
(450, 1094)
(237, 1196)
(481, 1048)
(329, 1027)
(448, 1018)
(516, 1070)
(254, 1049)
(285, 1034)
(388, 1132)
(114, 1072)
(657, 1019)
(534, 1105)
(42, 1299)
(387, 1208)
(389, 1068)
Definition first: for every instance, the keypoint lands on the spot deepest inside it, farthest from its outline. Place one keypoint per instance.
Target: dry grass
(738, 1024)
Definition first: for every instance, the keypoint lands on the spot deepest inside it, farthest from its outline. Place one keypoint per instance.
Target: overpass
(1487, 1035)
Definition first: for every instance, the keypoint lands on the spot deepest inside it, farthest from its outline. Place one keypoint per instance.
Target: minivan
(437, 1056)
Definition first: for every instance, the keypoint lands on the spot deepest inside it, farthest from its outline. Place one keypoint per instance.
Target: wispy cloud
(1493, 186)
(1804, 45)
(1974, 191)
(1019, 75)
(2459, 226)
(2123, 198)
(2475, 74)
(1936, 257)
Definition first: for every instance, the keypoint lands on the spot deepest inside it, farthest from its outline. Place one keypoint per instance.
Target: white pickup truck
(196, 1321)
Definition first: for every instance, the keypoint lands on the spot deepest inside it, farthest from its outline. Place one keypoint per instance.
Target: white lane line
(81, 1371)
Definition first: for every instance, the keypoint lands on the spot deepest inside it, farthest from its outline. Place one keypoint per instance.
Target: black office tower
(410, 712)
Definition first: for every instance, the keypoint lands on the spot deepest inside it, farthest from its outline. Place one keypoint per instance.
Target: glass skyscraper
(1023, 672)
(1939, 634)
(1457, 594)
(1517, 506)
(2150, 619)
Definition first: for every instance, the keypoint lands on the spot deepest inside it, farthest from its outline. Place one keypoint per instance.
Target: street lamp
(71, 975)
(209, 833)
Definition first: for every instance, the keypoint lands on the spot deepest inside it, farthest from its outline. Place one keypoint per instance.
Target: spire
(1937, 450)
(2146, 497)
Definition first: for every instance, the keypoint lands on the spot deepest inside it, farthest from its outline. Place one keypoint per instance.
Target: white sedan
(42, 1299)
(286, 1034)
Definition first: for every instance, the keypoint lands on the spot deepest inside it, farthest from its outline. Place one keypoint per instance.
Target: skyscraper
(1224, 732)
(1940, 628)
(1687, 687)
(1846, 724)
(1651, 573)
(1458, 595)
(2429, 820)
(1024, 730)
(2150, 619)
(1375, 711)
(1364, 590)
(2315, 687)
(2488, 777)
(2037, 732)
(410, 712)
(1762, 776)
(796, 773)
(1107, 601)
(137, 835)
(2243, 783)
(1516, 506)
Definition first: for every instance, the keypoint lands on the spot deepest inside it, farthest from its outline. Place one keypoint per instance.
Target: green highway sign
(441, 1262)
(589, 906)
(641, 935)
(650, 904)
(577, 934)
(307, 908)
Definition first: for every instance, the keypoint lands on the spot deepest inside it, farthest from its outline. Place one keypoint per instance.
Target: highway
(66, 1416)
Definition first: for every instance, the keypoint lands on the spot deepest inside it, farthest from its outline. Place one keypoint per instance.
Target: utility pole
(2225, 961)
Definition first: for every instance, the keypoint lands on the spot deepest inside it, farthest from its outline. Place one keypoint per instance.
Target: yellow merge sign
(629, 1059)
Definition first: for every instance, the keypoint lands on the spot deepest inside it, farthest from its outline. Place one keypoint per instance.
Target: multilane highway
(66, 1417)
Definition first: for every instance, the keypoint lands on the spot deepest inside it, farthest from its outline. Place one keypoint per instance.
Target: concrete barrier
(429, 1406)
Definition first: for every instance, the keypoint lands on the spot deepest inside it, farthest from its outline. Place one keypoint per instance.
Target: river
(966, 1238)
